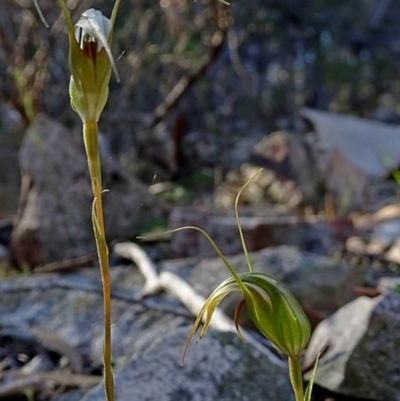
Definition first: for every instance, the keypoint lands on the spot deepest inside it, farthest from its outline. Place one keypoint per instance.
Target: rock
(240, 151)
(379, 235)
(148, 340)
(6, 229)
(4, 254)
(354, 155)
(386, 110)
(386, 231)
(72, 395)
(389, 284)
(363, 340)
(385, 115)
(71, 307)
(321, 284)
(55, 219)
(289, 157)
(220, 367)
(262, 228)
(10, 180)
(202, 149)
(393, 254)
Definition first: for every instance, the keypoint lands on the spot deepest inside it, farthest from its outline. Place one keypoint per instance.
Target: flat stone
(219, 368)
(378, 235)
(389, 284)
(363, 341)
(71, 306)
(4, 254)
(288, 156)
(353, 154)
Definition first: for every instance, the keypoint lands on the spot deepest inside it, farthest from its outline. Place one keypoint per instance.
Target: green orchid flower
(271, 306)
(90, 60)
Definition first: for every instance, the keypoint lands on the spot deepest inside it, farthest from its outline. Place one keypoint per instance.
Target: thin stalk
(246, 253)
(296, 377)
(90, 136)
(242, 287)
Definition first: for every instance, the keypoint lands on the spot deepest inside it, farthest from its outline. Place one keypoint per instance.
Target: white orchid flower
(90, 60)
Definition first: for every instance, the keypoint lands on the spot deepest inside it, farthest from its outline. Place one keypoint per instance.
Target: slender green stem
(246, 253)
(90, 136)
(296, 377)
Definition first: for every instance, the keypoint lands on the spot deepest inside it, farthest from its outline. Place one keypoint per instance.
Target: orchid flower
(271, 306)
(90, 60)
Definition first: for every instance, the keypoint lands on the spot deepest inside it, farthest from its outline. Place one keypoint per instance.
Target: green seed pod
(90, 61)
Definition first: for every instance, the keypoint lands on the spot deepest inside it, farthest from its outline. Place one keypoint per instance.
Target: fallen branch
(193, 301)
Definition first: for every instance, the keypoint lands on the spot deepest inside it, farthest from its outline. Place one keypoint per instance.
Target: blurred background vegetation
(198, 77)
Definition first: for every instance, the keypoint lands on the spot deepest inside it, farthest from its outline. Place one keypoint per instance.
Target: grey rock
(10, 180)
(55, 218)
(71, 307)
(353, 155)
(389, 284)
(385, 115)
(4, 253)
(72, 395)
(147, 347)
(39, 363)
(288, 156)
(364, 340)
(219, 368)
(386, 231)
(378, 235)
(240, 151)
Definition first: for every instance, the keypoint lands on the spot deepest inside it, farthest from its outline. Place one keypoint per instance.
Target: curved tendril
(246, 253)
(39, 11)
(242, 287)
(110, 36)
